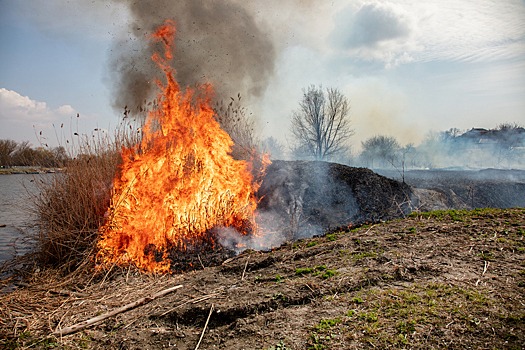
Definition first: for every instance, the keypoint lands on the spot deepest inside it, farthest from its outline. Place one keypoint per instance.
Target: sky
(408, 67)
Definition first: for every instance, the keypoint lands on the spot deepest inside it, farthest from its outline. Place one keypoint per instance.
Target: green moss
(363, 255)
(331, 236)
(486, 255)
(327, 323)
(304, 270)
(357, 300)
(328, 273)
(368, 316)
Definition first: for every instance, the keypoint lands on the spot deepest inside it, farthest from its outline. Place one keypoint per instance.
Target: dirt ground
(450, 279)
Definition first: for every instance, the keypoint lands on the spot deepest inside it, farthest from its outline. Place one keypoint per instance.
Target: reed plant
(71, 205)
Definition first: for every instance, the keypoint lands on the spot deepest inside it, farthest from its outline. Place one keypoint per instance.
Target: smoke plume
(217, 42)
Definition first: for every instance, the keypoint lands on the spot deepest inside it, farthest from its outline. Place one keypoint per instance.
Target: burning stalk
(177, 184)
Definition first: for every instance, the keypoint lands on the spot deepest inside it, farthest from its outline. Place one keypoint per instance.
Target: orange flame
(179, 183)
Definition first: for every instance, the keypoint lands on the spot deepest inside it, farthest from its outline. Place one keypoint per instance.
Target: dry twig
(485, 267)
(245, 266)
(205, 326)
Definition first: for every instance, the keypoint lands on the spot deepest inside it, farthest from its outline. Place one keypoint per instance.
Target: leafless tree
(321, 125)
(7, 147)
(273, 147)
(382, 148)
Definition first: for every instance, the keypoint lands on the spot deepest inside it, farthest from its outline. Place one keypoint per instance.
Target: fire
(178, 183)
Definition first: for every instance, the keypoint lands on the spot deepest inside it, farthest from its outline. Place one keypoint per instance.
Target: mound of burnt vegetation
(306, 198)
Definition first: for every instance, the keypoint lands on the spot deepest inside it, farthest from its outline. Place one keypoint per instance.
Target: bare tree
(321, 125)
(7, 147)
(382, 148)
(273, 147)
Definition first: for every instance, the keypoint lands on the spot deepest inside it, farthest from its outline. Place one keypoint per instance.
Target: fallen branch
(79, 326)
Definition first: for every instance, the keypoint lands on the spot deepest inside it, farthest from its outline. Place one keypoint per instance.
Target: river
(17, 221)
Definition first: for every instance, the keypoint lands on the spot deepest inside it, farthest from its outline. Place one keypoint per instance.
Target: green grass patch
(331, 236)
(325, 324)
(401, 317)
(363, 255)
(304, 270)
(460, 215)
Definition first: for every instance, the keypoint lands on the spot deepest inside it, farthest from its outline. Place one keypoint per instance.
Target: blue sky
(408, 67)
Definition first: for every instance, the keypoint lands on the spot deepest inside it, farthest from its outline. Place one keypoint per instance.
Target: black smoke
(218, 42)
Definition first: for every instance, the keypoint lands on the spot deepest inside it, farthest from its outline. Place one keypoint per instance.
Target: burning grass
(179, 183)
(147, 195)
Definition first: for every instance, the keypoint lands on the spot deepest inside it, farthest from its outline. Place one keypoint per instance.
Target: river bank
(17, 170)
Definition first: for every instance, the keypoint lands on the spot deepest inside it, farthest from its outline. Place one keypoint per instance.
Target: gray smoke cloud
(371, 25)
(217, 41)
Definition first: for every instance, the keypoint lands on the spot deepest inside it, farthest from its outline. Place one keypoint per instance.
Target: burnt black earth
(312, 197)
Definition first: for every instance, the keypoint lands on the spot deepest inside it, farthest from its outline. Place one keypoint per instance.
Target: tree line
(14, 153)
(321, 130)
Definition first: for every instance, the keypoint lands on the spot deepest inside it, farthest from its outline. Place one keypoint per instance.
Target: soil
(448, 279)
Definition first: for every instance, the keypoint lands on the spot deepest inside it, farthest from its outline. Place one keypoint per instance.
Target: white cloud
(372, 25)
(408, 30)
(468, 30)
(66, 110)
(23, 117)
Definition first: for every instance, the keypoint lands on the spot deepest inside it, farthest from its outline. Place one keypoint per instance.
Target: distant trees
(380, 151)
(14, 153)
(7, 147)
(274, 148)
(321, 125)
(510, 135)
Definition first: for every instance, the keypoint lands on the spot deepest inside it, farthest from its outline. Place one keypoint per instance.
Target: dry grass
(50, 302)
(71, 205)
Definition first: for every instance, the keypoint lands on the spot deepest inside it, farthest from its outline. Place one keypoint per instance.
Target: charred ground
(447, 279)
(463, 189)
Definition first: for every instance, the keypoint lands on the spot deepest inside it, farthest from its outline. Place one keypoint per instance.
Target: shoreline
(26, 170)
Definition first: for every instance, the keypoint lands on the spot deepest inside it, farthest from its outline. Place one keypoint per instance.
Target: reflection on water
(17, 222)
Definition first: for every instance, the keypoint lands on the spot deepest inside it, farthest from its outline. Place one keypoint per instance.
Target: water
(17, 222)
